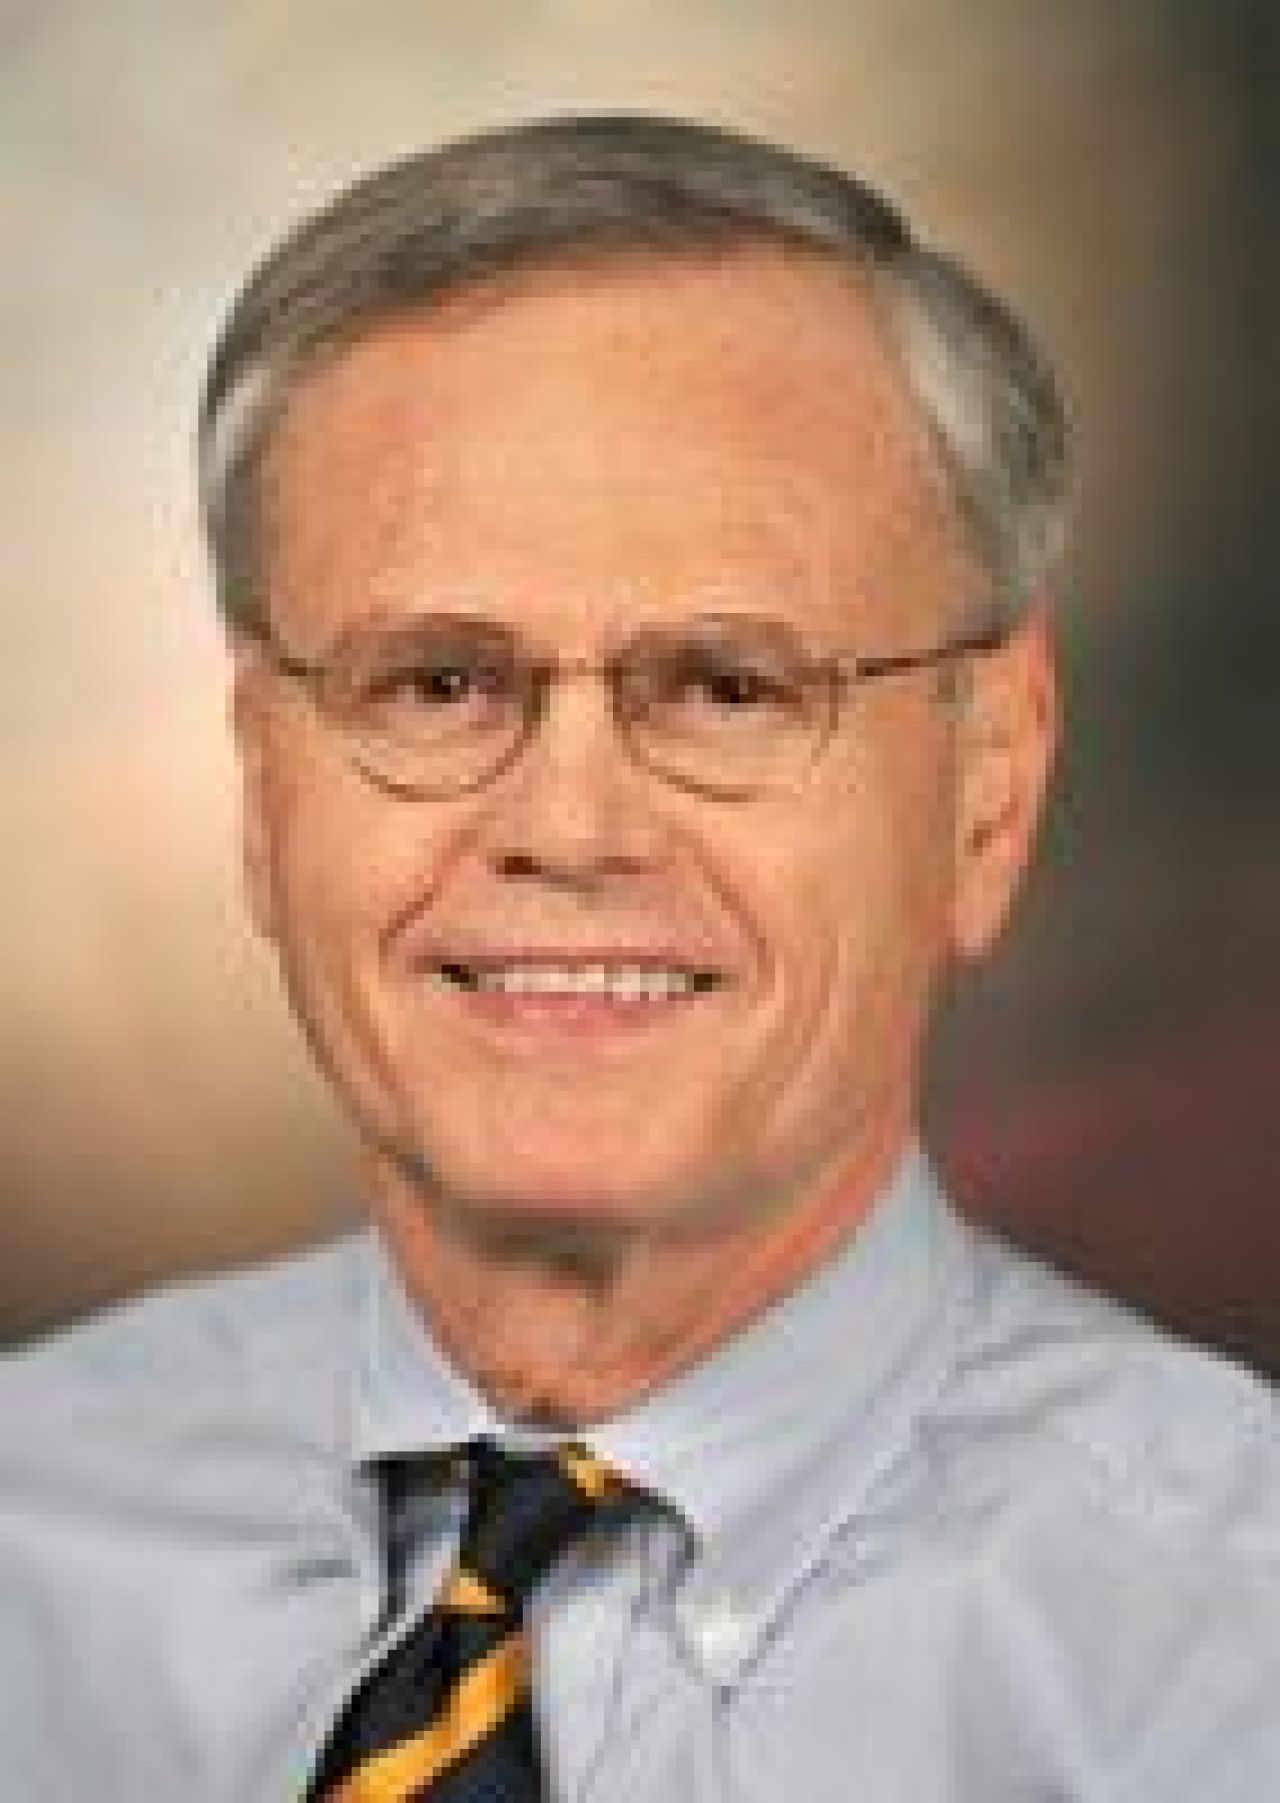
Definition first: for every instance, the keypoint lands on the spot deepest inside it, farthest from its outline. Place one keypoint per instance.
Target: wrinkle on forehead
(739, 424)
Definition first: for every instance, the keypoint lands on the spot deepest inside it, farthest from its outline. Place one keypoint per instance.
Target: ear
(249, 716)
(1008, 738)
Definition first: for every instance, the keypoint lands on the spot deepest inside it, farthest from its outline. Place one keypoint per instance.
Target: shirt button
(718, 1629)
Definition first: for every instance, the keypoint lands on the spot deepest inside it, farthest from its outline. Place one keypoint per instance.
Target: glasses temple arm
(866, 669)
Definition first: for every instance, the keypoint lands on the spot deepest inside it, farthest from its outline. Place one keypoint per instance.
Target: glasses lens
(436, 704)
(722, 705)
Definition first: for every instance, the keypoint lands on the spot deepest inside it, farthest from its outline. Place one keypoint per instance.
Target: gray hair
(580, 189)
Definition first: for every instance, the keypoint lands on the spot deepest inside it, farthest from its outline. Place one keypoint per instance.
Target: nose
(575, 807)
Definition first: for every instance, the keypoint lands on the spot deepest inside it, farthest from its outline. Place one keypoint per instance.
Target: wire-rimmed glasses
(725, 705)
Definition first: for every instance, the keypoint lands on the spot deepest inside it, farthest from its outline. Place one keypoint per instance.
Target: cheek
(346, 871)
(865, 907)
(342, 868)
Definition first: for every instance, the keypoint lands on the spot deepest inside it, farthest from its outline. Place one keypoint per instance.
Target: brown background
(1110, 1086)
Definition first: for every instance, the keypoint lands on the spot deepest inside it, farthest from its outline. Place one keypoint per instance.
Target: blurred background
(1109, 1088)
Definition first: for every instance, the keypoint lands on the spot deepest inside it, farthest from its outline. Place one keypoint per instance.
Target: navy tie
(448, 1714)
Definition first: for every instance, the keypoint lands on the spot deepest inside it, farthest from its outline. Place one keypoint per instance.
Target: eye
(435, 688)
(733, 680)
(735, 685)
(441, 681)
(446, 678)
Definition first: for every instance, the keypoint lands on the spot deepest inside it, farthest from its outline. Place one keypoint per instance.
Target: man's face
(585, 455)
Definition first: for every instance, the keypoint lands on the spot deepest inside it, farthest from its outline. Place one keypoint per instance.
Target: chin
(554, 1192)
(537, 1184)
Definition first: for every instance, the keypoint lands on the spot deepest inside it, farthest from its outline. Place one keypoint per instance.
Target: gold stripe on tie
(592, 1476)
(467, 1594)
(481, 1698)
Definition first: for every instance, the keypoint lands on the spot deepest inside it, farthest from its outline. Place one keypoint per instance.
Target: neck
(565, 1326)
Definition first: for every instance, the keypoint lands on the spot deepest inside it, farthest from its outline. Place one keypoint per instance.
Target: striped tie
(448, 1715)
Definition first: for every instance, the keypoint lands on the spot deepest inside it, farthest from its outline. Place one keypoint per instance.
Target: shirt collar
(767, 1448)
(728, 1436)
(766, 1445)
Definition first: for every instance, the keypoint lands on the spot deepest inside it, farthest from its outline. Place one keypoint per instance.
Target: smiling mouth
(615, 984)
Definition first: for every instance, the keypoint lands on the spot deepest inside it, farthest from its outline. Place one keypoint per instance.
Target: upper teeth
(627, 982)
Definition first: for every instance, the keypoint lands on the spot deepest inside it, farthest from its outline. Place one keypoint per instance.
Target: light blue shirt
(948, 1530)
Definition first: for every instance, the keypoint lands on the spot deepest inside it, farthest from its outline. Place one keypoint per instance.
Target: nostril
(565, 872)
(517, 864)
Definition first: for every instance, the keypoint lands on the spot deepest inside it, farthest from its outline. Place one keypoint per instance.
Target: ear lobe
(1008, 739)
(247, 716)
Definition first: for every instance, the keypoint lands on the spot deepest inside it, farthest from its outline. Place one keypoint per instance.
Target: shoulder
(1147, 1436)
(171, 1490)
(1098, 1503)
(1162, 1433)
(266, 1342)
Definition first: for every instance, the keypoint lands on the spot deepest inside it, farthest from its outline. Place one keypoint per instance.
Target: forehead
(625, 437)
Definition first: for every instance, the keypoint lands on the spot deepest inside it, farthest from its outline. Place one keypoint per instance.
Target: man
(635, 553)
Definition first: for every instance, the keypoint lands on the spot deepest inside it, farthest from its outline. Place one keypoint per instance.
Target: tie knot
(527, 1508)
